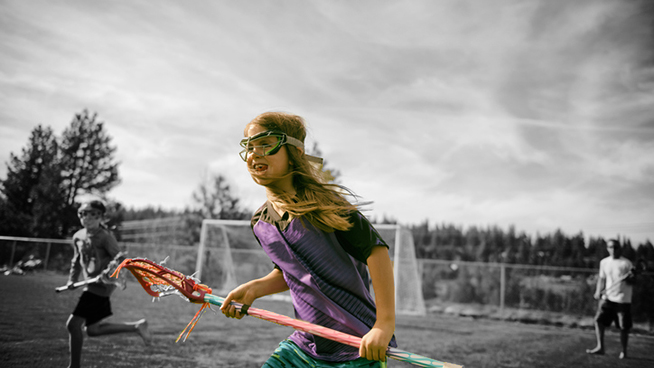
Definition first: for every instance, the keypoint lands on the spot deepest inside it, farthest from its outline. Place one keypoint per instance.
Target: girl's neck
(273, 198)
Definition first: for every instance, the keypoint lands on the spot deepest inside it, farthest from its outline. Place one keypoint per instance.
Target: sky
(534, 114)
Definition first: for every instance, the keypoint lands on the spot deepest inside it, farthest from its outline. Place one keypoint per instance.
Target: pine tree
(216, 201)
(88, 165)
(38, 198)
(31, 191)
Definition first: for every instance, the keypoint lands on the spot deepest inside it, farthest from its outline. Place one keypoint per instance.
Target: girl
(320, 245)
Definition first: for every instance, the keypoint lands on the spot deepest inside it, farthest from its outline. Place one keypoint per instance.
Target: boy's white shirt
(612, 270)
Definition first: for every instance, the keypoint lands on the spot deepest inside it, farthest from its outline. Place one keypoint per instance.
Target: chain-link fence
(523, 292)
(506, 291)
(25, 254)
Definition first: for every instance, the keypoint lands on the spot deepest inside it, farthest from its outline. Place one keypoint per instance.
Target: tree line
(493, 244)
(40, 196)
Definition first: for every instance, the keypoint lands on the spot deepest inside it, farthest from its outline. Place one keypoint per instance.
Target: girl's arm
(375, 342)
(247, 293)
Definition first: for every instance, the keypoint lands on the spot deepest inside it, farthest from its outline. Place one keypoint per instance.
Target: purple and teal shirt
(326, 274)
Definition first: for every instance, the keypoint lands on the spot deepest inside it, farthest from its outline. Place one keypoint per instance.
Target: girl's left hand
(374, 344)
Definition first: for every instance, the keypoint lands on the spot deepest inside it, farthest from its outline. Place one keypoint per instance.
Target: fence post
(13, 252)
(173, 256)
(47, 256)
(502, 288)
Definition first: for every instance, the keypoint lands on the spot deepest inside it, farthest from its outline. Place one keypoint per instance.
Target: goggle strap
(298, 143)
(314, 159)
(295, 142)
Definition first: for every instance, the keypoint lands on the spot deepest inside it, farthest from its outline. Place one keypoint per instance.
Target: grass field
(33, 329)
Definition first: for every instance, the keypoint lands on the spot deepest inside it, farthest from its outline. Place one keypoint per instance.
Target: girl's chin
(267, 183)
(261, 180)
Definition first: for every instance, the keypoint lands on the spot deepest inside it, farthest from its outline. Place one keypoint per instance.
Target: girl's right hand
(242, 294)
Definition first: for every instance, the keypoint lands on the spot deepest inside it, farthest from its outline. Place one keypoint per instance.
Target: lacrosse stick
(104, 277)
(160, 281)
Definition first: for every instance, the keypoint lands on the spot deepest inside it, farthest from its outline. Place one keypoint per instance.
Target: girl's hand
(375, 343)
(242, 294)
(247, 293)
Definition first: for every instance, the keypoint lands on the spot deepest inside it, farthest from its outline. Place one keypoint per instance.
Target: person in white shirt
(614, 289)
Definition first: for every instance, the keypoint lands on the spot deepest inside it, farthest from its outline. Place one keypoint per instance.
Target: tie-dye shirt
(93, 252)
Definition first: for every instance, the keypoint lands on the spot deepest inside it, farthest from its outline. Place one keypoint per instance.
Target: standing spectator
(614, 292)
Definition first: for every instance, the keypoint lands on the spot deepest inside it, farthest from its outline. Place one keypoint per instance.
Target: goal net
(229, 255)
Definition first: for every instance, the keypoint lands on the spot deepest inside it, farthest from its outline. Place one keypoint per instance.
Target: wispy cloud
(533, 113)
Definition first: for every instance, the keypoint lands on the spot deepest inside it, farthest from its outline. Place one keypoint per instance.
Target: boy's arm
(75, 266)
(375, 343)
(112, 253)
(111, 245)
(631, 275)
(601, 282)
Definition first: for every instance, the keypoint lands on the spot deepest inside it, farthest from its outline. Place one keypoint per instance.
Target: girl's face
(270, 170)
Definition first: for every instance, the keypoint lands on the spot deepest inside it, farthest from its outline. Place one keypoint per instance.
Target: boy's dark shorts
(93, 308)
(609, 312)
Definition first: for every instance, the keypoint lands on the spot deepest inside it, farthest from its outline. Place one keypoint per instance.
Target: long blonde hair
(322, 204)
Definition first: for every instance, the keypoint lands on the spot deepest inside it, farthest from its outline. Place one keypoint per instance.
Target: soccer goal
(229, 255)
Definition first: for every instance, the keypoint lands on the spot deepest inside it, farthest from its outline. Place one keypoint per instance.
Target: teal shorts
(289, 355)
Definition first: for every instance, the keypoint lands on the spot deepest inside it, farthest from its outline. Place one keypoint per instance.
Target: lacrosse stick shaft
(91, 280)
(330, 334)
(77, 284)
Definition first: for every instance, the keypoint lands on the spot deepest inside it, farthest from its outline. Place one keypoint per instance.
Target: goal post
(406, 273)
(230, 255)
(219, 240)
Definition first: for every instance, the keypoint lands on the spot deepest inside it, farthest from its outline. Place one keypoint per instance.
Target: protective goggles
(267, 143)
(91, 214)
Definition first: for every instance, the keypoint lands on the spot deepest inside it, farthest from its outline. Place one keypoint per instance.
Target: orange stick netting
(156, 279)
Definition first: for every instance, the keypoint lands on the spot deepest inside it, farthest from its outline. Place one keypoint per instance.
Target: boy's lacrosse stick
(159, 281)
(104, 277)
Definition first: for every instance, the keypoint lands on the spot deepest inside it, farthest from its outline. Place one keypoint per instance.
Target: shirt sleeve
(359, 240)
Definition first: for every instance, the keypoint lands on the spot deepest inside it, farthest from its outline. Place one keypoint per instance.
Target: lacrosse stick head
(118, 281)
(105, 275)
(158, 280)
